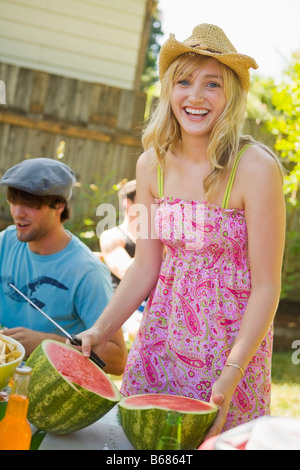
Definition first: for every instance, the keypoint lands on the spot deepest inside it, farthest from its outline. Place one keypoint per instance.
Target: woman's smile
(196, 112)
(199, 98)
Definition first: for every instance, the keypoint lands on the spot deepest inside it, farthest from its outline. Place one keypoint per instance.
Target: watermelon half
(143, 418)
(67, 391)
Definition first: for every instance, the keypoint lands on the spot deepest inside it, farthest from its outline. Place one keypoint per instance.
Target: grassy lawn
(285, 385)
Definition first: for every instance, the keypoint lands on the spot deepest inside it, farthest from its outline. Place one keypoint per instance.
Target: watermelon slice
(143, 418)
(68, 392)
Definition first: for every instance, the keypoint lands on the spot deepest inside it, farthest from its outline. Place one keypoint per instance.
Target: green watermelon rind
(56, 404)
(144, 425)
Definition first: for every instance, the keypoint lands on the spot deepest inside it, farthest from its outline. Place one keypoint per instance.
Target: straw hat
(208, 40)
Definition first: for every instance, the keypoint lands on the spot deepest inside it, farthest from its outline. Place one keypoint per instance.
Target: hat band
(205, 48)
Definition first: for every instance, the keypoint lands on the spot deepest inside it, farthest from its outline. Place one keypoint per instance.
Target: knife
(73, 338)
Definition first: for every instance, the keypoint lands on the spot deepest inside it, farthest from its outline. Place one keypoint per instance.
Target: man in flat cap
(51, 266)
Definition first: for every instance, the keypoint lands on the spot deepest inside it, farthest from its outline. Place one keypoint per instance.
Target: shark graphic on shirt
(31, 289)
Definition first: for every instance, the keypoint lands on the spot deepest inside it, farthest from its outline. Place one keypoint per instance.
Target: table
(105, 434)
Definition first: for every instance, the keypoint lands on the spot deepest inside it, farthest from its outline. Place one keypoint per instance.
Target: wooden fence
(99, 126)
(96, 128)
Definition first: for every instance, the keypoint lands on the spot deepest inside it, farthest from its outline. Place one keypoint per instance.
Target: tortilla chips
(8, 352)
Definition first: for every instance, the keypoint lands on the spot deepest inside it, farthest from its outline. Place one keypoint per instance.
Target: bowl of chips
(11, 355)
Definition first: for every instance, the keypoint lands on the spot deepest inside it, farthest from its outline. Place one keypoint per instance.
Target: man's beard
(30, 236)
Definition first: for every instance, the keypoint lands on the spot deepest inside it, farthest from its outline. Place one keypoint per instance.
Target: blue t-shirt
(71, 286)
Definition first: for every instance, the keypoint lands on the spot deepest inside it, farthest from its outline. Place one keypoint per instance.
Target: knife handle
(93, 356)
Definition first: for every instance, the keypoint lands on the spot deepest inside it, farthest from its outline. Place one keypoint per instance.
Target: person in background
(207, 328)
(49, 264)
(117, 245)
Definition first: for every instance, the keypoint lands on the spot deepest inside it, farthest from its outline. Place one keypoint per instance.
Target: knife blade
(72, 338)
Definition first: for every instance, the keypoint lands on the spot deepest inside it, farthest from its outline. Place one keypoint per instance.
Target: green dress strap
(231, 178)
(160, 177)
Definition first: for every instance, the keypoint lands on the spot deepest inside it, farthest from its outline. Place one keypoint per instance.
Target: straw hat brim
(239, 63)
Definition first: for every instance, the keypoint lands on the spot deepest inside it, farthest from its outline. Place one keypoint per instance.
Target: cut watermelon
(143, 418)
(67, 391)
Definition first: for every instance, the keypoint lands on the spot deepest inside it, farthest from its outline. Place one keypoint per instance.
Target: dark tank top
(130, 248)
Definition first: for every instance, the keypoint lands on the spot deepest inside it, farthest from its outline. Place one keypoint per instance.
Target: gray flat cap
(41, 176)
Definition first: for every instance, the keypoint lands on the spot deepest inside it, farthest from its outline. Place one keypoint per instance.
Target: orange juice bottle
(15, 432)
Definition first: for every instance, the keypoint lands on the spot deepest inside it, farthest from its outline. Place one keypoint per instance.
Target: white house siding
(92, 40)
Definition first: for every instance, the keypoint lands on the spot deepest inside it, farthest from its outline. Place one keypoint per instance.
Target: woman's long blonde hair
(163, 130)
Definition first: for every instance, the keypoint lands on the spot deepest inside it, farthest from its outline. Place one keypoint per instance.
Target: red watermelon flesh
(68, 391)
(143, 417)
(169, 402)
(79, 370)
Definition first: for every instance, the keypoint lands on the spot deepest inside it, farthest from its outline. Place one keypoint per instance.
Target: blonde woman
(206, 331)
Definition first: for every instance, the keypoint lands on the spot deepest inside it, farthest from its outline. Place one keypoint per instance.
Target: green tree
(285, 126)
(150, 75)
(87, 197)
(259, 102)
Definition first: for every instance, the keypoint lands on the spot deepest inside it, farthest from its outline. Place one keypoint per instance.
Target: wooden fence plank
(94, 124)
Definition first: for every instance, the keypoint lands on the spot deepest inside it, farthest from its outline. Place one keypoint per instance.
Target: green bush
(86, 199)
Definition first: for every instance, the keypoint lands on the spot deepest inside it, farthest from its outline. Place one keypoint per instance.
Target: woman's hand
(91, 338)
(218, 399)
(221, 396)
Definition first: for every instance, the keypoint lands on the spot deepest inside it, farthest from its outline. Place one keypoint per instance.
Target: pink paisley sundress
(194, 313)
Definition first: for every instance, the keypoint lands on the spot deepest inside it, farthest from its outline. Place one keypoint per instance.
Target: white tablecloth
(264, 433)
(105, 434)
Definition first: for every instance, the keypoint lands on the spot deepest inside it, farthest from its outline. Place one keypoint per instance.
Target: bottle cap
(23, 370)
